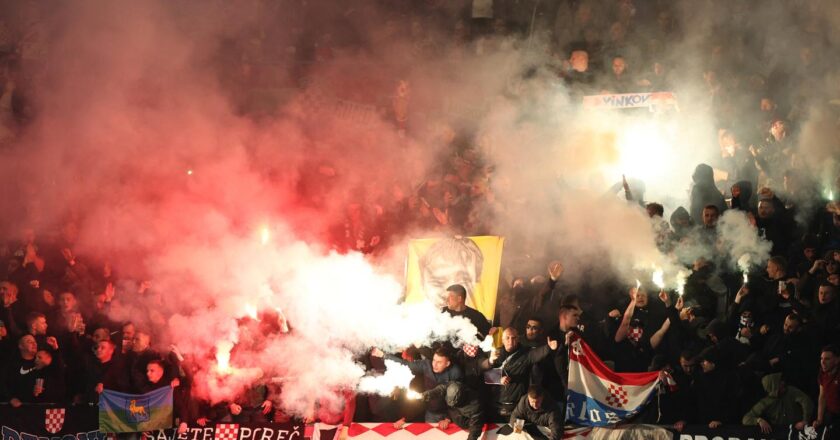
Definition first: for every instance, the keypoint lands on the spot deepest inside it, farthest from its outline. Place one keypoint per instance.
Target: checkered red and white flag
(54, 420)
(599, 396)
(226, 431)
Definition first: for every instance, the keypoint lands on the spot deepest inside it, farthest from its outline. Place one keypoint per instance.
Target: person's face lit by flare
(579, 61)
(440, 363)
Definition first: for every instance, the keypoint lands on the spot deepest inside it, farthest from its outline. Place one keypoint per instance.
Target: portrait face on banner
(450, 261)
(473, 262)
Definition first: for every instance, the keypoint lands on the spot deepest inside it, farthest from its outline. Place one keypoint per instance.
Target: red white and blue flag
(598, 396)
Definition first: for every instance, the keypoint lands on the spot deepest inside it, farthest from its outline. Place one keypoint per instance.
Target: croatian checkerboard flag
(598, 396)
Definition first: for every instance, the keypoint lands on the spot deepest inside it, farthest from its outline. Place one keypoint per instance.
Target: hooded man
(681, 223)
(742, 196)
(784, 405)
(704, 192)
(774, 222)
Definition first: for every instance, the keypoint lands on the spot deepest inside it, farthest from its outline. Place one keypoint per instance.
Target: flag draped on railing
(121, 412)
(598, 396)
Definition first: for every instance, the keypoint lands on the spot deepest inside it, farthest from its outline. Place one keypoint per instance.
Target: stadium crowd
(762, 352)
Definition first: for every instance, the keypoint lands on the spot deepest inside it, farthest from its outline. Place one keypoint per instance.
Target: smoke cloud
(138, 131)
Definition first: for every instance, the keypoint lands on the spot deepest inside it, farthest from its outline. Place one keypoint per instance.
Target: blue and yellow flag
(121, 412)
(473, 262)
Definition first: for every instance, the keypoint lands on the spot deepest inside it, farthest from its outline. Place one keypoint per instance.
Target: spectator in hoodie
(784, 405)
(704, 193)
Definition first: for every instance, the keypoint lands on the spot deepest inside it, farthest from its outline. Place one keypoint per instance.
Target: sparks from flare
(189, 172)
(284, 323)
(744, 265)
(682, 276)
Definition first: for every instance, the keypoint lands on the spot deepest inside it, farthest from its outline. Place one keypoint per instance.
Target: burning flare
(413, 395)
(744, 265)
(682, 276)
(223, 357)
(284, 323)
(658, 278)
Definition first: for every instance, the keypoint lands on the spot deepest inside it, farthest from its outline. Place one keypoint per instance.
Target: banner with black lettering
(735, 432)
(630, 100)
(233, 431)
(82, 423)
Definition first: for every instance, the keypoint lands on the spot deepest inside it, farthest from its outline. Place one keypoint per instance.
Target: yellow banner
(437, 263)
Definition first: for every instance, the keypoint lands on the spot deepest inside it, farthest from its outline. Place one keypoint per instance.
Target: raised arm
(657, 337)
(624, 327)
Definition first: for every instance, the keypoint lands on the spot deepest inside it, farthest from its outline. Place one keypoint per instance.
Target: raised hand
(665, 298)
(555, 270)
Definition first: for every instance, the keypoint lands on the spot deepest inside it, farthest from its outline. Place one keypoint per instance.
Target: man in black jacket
(516, 363)
(456, 305)
(106, 370)
(717, 392)
(536, 409)
(462, 406)
(555, 372)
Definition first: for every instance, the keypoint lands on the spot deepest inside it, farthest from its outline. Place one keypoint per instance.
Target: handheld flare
(658, 278)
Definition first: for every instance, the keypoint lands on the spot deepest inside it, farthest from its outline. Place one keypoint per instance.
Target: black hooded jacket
(744, 201)
(704, 192)
(717, 394)
(680, 222)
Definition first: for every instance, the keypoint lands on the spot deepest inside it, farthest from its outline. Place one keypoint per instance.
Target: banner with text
(630, 100)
